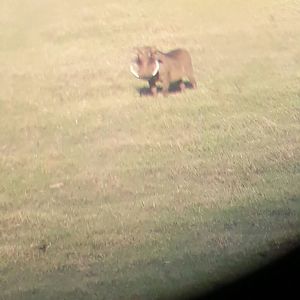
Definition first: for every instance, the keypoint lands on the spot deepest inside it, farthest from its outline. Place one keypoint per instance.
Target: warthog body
(155, 66)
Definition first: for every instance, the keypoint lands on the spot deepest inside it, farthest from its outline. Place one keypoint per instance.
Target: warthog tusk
(156, 68)
(133, 71)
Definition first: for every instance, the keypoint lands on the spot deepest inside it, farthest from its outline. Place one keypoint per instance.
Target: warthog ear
(153, 50)
(135, 55)
(136, 50)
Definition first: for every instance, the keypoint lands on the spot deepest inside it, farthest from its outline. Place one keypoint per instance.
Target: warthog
(154, 66)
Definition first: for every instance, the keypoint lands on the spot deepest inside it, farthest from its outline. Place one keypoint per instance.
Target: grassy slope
(136, 196)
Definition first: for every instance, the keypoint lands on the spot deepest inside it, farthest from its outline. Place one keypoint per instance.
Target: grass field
(108, 195)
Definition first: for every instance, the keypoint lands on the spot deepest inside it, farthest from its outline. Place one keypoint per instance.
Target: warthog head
(145, 64)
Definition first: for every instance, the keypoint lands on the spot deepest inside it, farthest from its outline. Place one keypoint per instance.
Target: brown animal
(155, 66)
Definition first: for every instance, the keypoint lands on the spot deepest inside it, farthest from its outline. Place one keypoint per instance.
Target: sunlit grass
(104, 193)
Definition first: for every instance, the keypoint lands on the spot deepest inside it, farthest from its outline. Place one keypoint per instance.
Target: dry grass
(104, 194)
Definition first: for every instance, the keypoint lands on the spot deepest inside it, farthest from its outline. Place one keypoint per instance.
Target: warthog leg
(181, 86)
(153, 88)
(192, 81)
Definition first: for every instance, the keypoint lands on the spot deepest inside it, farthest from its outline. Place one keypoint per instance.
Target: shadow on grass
(280, 277)
(277, 277)
(180, 274)
(173, 89)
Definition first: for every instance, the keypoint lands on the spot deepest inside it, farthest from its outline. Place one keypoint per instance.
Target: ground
(108, 195)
